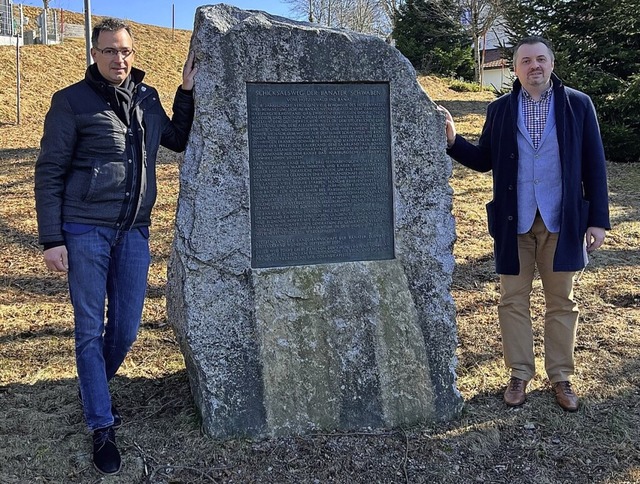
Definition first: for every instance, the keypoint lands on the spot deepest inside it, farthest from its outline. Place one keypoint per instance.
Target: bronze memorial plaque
(321, 182)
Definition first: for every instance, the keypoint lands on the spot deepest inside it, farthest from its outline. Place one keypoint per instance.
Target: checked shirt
(535, 114)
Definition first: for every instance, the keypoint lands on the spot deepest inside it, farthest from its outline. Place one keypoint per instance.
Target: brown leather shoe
(515, 394)
(565, 396)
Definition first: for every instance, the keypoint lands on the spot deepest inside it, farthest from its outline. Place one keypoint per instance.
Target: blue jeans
(104, 263)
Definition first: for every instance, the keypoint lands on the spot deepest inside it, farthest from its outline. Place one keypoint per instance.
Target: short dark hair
(533, 39)
(109, 25)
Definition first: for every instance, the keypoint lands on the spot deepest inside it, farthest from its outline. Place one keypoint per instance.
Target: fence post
(18, 117)
(44, 27)
(87, 30)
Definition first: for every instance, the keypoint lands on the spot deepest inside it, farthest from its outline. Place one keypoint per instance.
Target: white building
(496, 70)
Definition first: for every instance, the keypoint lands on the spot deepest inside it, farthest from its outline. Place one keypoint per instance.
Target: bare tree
(391, 9)
(369, 16)
(364, 15)
(477, 18)
(318, 11)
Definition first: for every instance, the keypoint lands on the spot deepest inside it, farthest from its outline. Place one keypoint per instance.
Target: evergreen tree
(429, 33)
(597, 44)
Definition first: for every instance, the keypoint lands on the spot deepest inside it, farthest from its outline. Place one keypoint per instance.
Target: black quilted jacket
(93, 168)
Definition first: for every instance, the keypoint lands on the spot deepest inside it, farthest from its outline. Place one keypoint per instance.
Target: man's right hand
(56, 259)
(450, 126)
(189, 72)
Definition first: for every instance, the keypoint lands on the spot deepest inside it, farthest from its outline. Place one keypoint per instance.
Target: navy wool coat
(584, 185)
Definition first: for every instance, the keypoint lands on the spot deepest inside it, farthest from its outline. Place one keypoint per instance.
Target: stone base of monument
(309, 282)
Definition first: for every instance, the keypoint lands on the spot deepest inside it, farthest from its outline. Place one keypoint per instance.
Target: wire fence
(46, 28)
(6, 18)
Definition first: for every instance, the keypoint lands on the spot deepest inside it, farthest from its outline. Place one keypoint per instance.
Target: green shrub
(464, 86)
(434, 42)
(620, 142)
(620, 121)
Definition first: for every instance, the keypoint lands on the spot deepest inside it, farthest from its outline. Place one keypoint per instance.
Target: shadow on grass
(17, 237)
(16, 183)
(45, 332)
(475, 271)
(19, 156)
(45, 285)
(605, 257)
(55, 284)
(17, 160)
(464, 108)
(44, 438)
(29, 335)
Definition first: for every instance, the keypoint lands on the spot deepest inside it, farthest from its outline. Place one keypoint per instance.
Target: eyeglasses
(111, 52)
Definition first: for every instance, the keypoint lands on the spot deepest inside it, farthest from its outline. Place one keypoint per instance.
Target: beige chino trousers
(537, 248)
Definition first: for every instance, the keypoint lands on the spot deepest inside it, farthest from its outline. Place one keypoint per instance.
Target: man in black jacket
(95, 187)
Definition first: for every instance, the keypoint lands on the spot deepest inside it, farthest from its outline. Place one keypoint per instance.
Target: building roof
(493, 59)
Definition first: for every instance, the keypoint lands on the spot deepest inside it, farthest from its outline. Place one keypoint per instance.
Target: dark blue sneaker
(106, 458)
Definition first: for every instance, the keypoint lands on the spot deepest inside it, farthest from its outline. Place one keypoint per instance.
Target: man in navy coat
(549, 209)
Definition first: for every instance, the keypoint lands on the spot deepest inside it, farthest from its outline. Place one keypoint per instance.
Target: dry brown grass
(41, 427)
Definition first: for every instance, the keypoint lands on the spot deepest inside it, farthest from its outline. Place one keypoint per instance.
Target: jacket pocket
(107, 182)
(491, 217)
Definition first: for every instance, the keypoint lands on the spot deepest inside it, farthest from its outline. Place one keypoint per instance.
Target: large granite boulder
(342, 344)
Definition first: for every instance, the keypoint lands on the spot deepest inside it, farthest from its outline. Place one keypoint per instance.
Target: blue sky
(158, 12)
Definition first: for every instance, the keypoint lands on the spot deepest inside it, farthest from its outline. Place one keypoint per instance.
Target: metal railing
(6, 18)
(49, 23)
